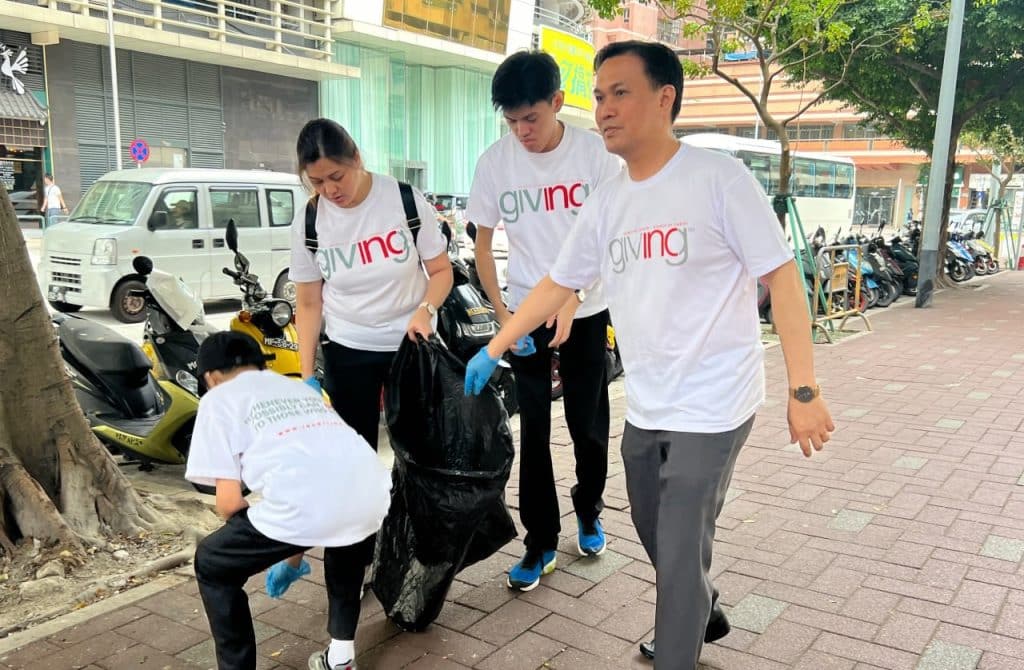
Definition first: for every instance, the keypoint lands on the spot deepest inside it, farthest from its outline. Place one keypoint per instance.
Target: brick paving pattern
(899, 547)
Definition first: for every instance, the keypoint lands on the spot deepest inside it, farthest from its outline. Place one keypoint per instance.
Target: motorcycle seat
(103, 350)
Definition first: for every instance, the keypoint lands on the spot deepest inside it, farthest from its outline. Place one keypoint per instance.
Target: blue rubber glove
(524, 346)
(479, 371)
(313, 383)
(281, 575)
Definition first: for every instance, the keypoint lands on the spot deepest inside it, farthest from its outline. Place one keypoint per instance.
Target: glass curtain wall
(427, 125)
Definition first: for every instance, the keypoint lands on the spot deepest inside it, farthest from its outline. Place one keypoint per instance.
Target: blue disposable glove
(524, 346)
(281, 575)
(313, 383)
(479, 371)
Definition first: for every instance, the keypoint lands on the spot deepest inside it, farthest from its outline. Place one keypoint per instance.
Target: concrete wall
(262, 117)
(60, 93)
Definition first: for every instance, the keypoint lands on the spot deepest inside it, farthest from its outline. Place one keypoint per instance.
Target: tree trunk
(785, 170)
(61, 483)
(947, 199)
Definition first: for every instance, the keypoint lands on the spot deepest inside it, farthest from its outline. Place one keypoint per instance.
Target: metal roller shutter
(166, 101)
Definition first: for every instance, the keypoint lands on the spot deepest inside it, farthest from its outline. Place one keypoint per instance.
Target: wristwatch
(581, 295)
(806, 393)
(431, 310)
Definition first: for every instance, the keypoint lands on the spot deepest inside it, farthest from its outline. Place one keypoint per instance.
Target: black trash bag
(453, 455)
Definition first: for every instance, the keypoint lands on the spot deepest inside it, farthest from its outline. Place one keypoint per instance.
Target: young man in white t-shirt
(679, 240)
(534, 180)
(277, 436)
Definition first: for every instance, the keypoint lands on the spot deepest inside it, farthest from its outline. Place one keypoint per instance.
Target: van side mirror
(231, 235)
(157, 219)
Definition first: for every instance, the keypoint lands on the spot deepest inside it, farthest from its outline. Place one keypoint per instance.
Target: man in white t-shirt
(534, 180)
(53, 199)
(679, 239)
(277, 436)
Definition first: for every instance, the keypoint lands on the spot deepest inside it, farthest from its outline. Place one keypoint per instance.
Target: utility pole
(940, 158)
(113, 83)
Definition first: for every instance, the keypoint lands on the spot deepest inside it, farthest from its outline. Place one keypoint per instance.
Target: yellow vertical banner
(575, 58)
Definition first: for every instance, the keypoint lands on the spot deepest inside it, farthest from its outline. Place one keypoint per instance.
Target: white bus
(822, 185)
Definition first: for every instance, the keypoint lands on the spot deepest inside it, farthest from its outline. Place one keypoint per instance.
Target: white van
(177, 217)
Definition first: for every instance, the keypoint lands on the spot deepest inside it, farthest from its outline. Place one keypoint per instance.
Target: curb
(76, 617)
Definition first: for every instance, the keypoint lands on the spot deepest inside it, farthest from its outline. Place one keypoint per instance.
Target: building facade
(228, 83)
(210, 83)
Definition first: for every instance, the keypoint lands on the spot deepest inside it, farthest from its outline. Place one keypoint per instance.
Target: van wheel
(65, 307)
(284, 288)
(128, 308)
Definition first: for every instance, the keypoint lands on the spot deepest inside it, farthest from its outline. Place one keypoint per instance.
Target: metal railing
(296, 27)
(549, 17)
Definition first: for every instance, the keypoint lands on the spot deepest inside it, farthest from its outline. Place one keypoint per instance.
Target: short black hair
(525, 78)
(48, 176)
(661, 65)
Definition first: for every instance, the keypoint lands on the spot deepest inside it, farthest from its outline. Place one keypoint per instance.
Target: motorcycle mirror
(231, 235)
(143, 265)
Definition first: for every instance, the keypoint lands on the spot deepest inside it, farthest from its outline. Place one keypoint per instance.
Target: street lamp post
(940, 157)
(113, 83)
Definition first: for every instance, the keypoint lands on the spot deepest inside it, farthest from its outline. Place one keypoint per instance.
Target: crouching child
(319, 485)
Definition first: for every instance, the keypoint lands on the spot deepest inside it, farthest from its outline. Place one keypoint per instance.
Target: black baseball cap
(227, 350)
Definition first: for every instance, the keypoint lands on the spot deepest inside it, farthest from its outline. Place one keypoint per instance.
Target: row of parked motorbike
(888, 269)
(141, 401)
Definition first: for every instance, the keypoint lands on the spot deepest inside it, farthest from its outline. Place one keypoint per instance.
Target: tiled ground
(899, 547)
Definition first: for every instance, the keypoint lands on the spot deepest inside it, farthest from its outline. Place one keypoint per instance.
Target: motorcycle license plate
(280, 343)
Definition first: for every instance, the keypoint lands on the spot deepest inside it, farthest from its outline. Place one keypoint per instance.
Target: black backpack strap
(311, 239)
(412, 215)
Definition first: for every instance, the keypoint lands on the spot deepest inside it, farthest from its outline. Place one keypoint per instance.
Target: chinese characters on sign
(575, 58)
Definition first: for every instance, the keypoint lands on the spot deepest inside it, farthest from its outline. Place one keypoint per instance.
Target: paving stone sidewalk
(899, 547)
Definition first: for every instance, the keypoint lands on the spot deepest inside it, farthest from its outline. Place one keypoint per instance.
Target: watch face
(804, 394)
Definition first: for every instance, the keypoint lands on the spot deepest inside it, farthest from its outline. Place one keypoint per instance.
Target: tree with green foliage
(783, 36)
(898, 89)
(1000, 150)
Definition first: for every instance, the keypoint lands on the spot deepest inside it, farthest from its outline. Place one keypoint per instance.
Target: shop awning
(22, 107)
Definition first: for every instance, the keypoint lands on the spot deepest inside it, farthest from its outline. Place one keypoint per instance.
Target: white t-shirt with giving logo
(372, 273)
(320, 483)
(679, 254)
(537, 196)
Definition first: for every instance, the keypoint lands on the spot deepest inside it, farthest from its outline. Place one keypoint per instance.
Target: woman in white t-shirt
(370, 282)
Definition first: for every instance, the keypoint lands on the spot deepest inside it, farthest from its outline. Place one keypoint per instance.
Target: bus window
(760, 166)
(824, 179)
(844, 181)
(803, 178)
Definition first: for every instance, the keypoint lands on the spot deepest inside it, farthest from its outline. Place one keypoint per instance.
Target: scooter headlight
(281, 313)
(187, 381)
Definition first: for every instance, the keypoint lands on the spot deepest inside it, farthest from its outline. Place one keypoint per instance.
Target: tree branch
(918, 67)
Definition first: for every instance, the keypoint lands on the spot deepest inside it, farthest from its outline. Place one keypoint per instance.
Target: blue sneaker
(590, 539)
(526, 574)
(281, 575)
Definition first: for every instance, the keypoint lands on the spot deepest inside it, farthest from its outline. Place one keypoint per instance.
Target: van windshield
(111, 202)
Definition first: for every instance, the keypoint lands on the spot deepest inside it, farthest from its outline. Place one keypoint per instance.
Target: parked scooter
(268, 320)
(959, 261)
(129, 410)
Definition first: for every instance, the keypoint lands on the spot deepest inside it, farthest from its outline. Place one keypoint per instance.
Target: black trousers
(229, 556)
(585, 384)
(354, 379)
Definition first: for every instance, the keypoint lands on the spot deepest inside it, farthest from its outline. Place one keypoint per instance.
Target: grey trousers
(676, 484)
